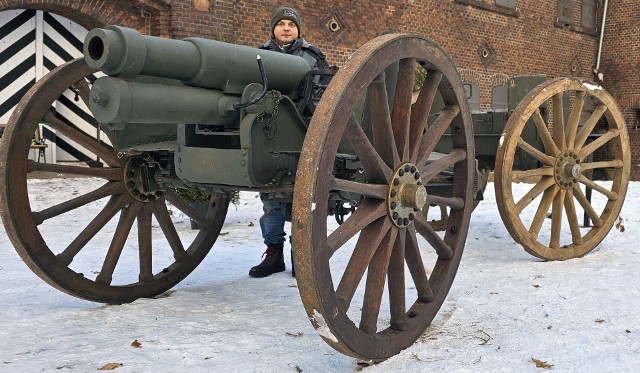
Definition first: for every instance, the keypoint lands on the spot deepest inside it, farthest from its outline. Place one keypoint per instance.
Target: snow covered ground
(507, 311)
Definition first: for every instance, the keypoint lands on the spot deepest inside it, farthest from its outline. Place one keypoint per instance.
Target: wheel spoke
(416, 268)
(381, 124)
(588, 126)
(455, 203)
(550, 146)
(586, 205)
(556, 219)
(610, 194)
(558, 121)
(113, 174)
(396, 283)
(110, 188)
(423, 227)
(377, 191)
(574, 118)
(591, 147)
(432, 169)
(546, 160)
(401, 115)
(523, 175)
(83, 139)
(616, 163)
(572, 217)
(374, 288)
(168, 228)
(422, 109)
(368, 212)
(115, 204)
(368, 243)
(375, 168)
(183, 206)
(541, 212)
(145, 243)
(127, 217)
(542, 185)
(434, 132)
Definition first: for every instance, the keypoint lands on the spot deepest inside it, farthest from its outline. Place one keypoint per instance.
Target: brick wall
(620, 64)
(487, 43)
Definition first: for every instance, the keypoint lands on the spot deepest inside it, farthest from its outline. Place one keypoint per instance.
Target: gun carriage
(198, 113)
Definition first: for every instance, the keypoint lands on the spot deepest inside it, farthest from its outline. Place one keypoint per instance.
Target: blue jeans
(272, 223)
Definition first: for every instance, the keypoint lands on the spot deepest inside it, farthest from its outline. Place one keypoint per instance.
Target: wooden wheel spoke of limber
(563, 153)
(343, 273)
(67, 265)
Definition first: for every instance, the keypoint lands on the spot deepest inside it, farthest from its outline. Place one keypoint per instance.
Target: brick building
(488, 40)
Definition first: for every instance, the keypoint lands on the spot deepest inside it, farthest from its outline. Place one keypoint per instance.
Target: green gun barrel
(115, 100)
(193, 61)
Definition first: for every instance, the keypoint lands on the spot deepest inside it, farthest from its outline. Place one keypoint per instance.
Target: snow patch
(323, 328)
(592, 87)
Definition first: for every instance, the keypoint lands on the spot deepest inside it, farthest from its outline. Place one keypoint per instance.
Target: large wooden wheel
(87, 266)
(566, 162)
(387, 233)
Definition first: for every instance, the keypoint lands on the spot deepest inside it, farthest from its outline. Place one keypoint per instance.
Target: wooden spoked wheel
(545, 217)
(387, 232)
(87, 265)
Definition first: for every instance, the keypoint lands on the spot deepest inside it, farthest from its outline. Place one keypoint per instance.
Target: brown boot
(273, 262)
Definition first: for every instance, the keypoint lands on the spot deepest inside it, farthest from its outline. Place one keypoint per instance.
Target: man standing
(285, 37)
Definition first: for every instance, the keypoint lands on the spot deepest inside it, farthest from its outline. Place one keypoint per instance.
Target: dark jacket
(302, 48)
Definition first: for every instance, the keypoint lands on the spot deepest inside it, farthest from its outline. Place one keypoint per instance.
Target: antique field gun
(204, 115)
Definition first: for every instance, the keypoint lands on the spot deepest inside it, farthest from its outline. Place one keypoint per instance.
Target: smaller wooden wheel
(544, 218)
(87, 263)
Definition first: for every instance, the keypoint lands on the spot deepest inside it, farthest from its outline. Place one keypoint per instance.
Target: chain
(271, 126)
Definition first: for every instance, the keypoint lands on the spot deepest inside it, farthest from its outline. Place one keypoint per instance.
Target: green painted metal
(177, 97)
(194, 61)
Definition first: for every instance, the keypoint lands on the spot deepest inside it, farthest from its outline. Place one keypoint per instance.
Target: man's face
(285, 32)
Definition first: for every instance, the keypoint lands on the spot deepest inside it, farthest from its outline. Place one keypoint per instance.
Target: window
(589, 14)
(511, 4)
(500, 98)
(565, 11)
(505, 7)
(579, 16)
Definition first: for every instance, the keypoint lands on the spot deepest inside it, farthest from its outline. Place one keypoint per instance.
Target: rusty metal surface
(52, 264)
(382, 248)
(565, 169)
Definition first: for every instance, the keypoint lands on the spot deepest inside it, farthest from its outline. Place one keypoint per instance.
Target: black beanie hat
(285, 12)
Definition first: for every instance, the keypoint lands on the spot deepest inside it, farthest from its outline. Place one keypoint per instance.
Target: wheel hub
(567, 169)
(138, 182)
(406, 195)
